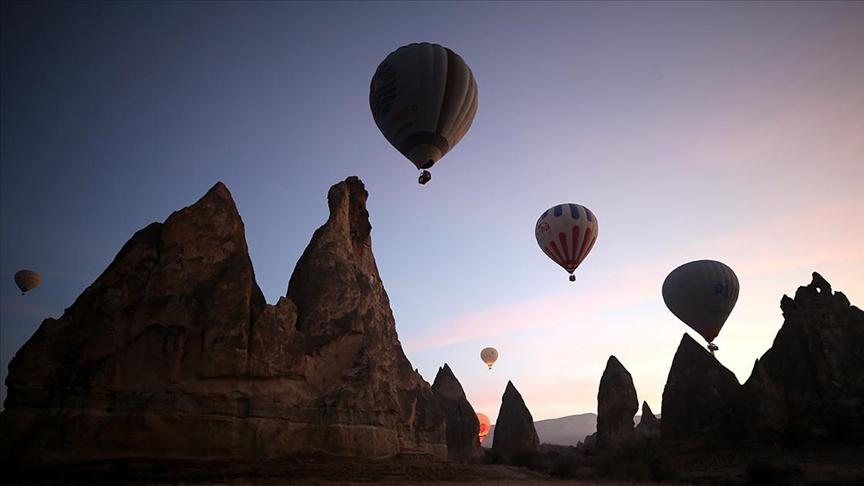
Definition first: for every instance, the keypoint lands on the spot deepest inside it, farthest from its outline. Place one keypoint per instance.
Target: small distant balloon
(489, 356)
(702, 294)
(485, 426)
(566, 233)
(27, 280)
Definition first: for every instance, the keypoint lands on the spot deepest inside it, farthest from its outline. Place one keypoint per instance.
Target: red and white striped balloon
(567, 233)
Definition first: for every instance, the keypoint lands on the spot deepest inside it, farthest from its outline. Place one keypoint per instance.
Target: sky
(731, 131)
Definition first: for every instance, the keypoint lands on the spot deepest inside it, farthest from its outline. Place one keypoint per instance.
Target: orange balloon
(27, 280)
(485, 426)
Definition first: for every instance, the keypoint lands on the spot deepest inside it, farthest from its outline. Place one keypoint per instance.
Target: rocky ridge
(173, 353)
(807, 388)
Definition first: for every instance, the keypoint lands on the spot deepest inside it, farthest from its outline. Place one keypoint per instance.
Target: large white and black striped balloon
(423, 98)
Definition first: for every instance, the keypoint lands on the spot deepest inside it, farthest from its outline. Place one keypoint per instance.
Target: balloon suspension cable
(425, 176)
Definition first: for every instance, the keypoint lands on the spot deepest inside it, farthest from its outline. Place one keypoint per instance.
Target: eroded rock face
(649, 425)
(589, 446)
(463, 443)
(810, 385)
(699, 399)
(616, 405)
(173, 353)
(514, 430)
(648, 419)
(763, 407)
(353, 350)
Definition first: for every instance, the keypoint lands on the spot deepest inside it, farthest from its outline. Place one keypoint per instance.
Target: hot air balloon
(489, 356)
(567, 233)
(702, 293)
(423, 98)
(27, 280)
(485, 425)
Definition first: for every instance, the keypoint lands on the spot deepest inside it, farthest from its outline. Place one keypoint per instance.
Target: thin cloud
(10, 308)
(784, 243)
(797, 239)
(536, 313)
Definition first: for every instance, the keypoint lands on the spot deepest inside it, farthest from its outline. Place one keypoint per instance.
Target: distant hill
(563, 430)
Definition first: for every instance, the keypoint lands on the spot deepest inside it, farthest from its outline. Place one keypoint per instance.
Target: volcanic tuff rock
(173, 353)
(699, 399)
(648, 419)
(514, 429)
(463, 443)
(589, 446)
(763, 406)
(616, 405)
(810, 386)
(648, 427)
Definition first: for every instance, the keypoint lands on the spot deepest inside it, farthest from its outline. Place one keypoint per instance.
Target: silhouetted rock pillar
(616, 405)
(649, 425)
(514, 431)
(463, 443)
(699, 399)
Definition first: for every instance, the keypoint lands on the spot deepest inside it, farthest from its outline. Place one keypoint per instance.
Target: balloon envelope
(489, 356)
(485, 426)
(566, 233)
(702, 294)
(423, 98)
(27, 280)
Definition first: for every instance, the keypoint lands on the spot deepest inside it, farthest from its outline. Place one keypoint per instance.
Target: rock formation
(807, 388)
(810, 385)
(463, 443)
(173, 353)
(699, 399)
(514, 430)
(648, 427)
(763, 406)
(568, 430)
(589, 446)
(648, 419)
(616, 405)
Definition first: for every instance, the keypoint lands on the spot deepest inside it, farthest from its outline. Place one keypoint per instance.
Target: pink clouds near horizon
(785, 243)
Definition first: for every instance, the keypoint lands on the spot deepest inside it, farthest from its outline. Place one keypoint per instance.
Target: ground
(763, 466)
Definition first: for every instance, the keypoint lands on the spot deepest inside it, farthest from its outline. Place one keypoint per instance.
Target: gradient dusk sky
(731, 131)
